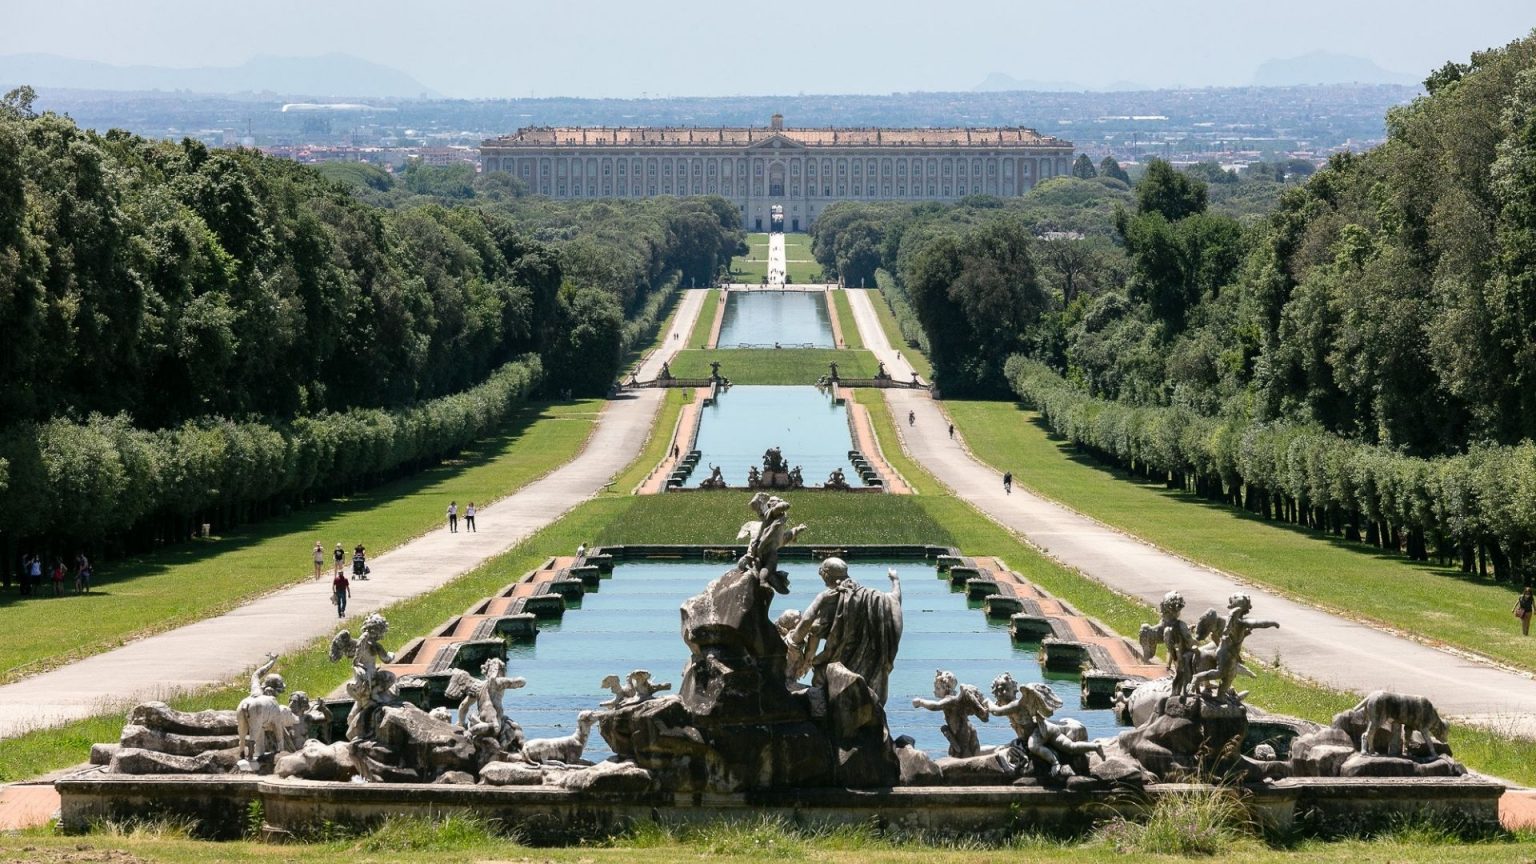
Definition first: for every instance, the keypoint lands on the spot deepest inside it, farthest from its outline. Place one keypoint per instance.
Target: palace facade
(776, 170)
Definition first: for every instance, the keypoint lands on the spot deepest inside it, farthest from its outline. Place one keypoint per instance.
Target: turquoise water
(761, 319)
(632, 622)
(803, 422)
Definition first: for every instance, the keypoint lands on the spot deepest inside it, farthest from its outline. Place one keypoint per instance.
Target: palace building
(771, 171)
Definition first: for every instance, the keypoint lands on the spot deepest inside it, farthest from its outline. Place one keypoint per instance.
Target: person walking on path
(341, 589)
(339, 555)
(319, 558)
(911, 418)
(469, 516)
(453, 517)
(359, 562)
(1525, 604)
(951, 431)
(1008, 482)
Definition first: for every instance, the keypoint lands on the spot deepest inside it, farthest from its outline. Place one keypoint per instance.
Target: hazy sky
(487, 48)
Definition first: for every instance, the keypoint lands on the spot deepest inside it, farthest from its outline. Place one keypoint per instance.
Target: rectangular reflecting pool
(803, 422)
(763, 319)
(632, 622)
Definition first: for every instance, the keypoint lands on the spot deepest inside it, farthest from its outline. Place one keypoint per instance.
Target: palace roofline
(747, 136)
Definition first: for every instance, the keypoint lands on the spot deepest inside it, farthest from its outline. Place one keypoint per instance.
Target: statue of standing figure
(765, 536)
(832, 373)
(959, 702)
(856, 626)
(714, 370)
(1171, 632)
(1228, 661)
(1038, 737)
(371, 688)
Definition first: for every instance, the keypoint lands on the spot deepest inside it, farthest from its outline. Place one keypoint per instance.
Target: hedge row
(1477, 507)
(641, 329)
(901, 308)
(98, 479)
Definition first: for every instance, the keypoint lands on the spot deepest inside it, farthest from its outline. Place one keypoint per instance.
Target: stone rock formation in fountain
(736, 723)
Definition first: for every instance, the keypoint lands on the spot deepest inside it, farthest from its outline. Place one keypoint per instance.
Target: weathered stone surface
(317, 760)
(455, 778)
(984, 770)
(1366, 765)
(736, 670)
(511, 774)
(145, 738)
(1120, 771)
(917, 767)
(604, 778)
(163, 718)
(1193, 736)
(1086, 783)
(1369, 765)
(1302, 746)
(129, 760)
(1321, 760)
(425, 744)
(101, 754)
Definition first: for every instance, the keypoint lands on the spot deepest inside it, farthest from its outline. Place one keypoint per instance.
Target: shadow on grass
(1069, 452)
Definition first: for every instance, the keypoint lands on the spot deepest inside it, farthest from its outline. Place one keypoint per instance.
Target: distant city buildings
(800, 171)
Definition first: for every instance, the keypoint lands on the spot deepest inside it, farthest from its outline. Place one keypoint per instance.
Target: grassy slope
(799, 265)
(655, 446)
(773, 366)
(703, 325)
(851, 337)
(191, 581)
(893, 335)
(1438, 603)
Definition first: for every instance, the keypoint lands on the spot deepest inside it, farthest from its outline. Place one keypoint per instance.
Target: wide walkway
(1310, 643)
(778, 265)
(220, 649)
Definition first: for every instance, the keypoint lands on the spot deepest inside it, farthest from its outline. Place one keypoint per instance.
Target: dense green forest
(193, 332)
(1361, 359)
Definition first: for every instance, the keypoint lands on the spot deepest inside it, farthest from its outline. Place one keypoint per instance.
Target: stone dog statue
(1400, 716)
(260, 720)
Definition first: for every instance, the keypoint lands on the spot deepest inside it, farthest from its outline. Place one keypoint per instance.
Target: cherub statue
(1029, 709)
(1229, 649)
(484, 694)
(794, 666)
(959, 702)
(371, 687)
(1172, 632)
(765, 537)
(796, 479)
(305, 720)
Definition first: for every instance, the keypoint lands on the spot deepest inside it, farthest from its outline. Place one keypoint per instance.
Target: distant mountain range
(1318, 67)
(1322, 67)
(325, 75)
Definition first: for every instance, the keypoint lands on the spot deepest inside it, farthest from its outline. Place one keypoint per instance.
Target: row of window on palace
(933, 190)
(843, 168)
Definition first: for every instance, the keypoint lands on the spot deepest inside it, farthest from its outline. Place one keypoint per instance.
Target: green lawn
(851, 338)
(1355, 580)
(800, 267)
(190, 581)
(705, 323)
(774, 366)
(893, 335)
(748, 839)
(713, 518)
(655, 446)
